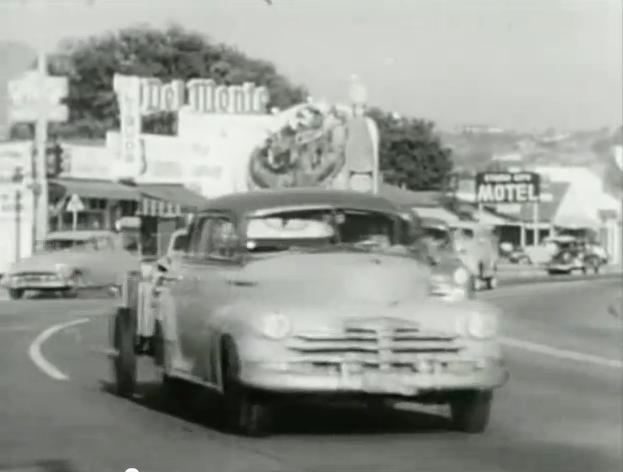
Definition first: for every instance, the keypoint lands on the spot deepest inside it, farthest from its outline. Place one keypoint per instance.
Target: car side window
(213, 238)
(222, 244)
(196, 237)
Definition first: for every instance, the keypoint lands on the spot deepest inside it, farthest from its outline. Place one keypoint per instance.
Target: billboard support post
(535, 217)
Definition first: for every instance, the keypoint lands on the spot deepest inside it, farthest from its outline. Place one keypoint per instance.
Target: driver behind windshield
(279, 232)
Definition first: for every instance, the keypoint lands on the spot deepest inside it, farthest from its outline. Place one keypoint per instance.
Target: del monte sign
(141, 96)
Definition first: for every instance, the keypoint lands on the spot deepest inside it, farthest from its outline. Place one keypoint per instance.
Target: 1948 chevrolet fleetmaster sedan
(308, 292)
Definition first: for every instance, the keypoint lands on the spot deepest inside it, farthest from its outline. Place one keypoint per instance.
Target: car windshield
(464, 233)
(321, 228)
(438, 237)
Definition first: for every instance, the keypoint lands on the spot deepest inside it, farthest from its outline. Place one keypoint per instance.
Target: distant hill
(15, 58)
(477, 151)
(592, 149)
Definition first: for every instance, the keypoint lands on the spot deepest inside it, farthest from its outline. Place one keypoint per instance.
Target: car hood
(43, 261)
(335, 278)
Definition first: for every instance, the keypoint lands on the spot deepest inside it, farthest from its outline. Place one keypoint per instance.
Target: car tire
(471, 410)
(243, 412)
(492, 282)
(77, 282)
(124, 363)
(16, 293)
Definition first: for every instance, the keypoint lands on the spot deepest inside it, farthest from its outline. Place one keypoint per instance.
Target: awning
(436, 212)
(100, 189)
(168, 200)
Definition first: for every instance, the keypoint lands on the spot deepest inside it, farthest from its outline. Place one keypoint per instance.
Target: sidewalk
(515, 274)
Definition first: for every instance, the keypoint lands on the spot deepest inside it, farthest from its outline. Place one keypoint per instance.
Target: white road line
(34, 351)
(562, 353)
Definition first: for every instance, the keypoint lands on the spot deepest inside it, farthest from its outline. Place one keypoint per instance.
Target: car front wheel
(243, 412)
(16, 293)
(471, 411)
(492, 282)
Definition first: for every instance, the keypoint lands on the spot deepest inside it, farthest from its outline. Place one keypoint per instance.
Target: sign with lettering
(507, 187)
(31, 93)
(141, 96)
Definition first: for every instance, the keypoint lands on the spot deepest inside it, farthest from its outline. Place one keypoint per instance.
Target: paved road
(558, 412)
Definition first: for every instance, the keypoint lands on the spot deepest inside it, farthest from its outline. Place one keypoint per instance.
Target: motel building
(572, 201)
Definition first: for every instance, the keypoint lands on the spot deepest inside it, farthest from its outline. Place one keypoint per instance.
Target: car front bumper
(51, 284)
(288, 378)
(561, 267)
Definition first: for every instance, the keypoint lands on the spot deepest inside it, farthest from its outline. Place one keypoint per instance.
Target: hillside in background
(591, 149)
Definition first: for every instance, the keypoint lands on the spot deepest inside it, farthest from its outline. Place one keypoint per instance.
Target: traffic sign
(75, 204)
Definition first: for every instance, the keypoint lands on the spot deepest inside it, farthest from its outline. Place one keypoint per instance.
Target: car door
(206, 290)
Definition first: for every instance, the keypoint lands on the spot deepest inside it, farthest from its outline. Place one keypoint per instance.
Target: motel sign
(507, 187)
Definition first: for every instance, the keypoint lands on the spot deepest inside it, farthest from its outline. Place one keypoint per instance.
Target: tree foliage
(411, 153)
(168, 54)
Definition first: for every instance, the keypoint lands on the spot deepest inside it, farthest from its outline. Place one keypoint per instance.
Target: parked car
(573, 255)
(70, 260)
(452, 279)
(300, 293)
(477, 247)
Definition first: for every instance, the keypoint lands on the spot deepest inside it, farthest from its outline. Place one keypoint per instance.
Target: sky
(519, 64)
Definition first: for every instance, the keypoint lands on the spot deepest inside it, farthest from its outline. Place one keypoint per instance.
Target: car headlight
(63, 270)
(275, 326)
(461, 276)
(482, 324)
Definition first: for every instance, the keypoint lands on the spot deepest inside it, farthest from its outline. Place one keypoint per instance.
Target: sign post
(75, 205)
(36, 97)
(18, 224)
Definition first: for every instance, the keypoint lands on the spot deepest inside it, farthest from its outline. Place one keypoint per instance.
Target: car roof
(255, 202)
(78, 235)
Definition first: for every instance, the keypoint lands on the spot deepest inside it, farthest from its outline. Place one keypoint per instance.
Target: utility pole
(40, 183)
(45, 111)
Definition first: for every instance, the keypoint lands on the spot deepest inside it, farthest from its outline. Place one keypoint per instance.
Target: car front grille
(382, 346)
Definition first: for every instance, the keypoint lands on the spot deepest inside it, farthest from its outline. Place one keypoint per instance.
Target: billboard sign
(508, 187)
(29, 94)
(142, 96)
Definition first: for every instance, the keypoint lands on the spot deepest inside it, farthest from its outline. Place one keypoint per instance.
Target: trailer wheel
(124, 364)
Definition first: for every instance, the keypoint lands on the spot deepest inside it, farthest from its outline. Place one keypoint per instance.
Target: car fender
(166, 315)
